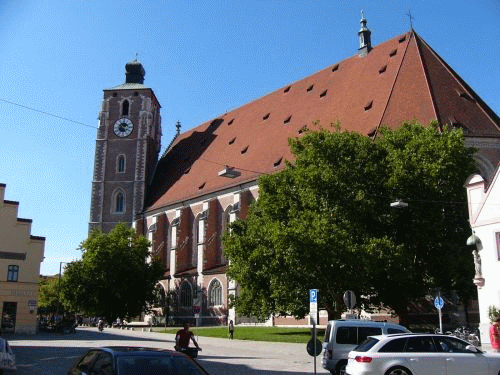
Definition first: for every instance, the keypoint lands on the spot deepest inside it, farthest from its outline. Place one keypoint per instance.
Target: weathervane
(411, 19)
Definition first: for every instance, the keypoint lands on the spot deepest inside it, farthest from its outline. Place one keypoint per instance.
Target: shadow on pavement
(82, 334)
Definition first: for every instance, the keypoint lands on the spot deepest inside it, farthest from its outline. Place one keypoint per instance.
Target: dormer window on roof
(187, 170)
(402, 39)
(310, 88)
(335, 68)
(382, 69)
(287, 120)
(393, 52)
(323, 94)
(287, 89)
(202, 185)
(369, 105)
(302, 129)
(231, 141)
(266, 116)
(465, 95)
(230, 121)
(245, 149)
(277, 161)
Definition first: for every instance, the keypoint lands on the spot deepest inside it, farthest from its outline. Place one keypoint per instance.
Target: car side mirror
(471, 348)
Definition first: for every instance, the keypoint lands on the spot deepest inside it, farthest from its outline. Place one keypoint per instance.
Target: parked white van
(342, 336)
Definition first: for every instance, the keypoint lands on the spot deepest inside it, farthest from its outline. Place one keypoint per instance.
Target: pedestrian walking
(231, 330)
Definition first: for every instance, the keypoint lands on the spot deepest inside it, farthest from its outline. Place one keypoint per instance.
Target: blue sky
(202, 58)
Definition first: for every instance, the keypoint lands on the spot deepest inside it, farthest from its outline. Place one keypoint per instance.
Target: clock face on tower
(123, 127)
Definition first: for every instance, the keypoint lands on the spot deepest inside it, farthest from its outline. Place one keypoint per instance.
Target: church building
(207, 177)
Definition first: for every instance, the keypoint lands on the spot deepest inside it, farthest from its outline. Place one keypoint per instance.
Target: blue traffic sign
(439, 302)
(313, 295)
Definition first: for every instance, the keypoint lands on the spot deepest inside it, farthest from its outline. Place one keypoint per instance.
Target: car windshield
(156, 365)
(366, 345)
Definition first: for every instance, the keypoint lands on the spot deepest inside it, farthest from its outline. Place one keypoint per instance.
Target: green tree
(48, 298)
(114, 278)
(325, 222)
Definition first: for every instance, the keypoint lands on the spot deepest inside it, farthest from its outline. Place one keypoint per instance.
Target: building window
(215, 293)
(13, 273)
(120, 164)
(186, 295)
(497, 236)
(118, 202)
(125, 106)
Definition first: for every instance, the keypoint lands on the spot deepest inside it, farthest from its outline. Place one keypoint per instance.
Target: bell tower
(127, 148)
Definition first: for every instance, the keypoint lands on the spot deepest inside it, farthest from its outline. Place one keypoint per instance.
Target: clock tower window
(120, 164)
(125, 107)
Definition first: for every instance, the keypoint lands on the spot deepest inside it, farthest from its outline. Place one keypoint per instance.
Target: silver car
(420, 354)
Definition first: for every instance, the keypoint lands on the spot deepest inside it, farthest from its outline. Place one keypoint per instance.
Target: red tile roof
(399, 80)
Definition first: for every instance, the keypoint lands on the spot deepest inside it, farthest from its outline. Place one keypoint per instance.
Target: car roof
(137, 350)
(362, 322)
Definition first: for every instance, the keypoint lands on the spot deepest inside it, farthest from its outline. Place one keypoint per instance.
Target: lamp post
(59, 287)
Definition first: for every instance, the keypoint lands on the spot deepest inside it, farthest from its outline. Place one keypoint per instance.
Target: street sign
(439, 302)
(313, 305)
(349, 299)
(314, 348)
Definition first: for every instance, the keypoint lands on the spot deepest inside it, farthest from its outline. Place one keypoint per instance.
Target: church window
(173, 233)
(119, 202)
(120, 165)
(186, 295)
(497, 237)
(13, 273)
(215, 293)
(125, 106)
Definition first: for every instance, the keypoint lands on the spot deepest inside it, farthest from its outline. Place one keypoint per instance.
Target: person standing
(495, 335)
(231, 329)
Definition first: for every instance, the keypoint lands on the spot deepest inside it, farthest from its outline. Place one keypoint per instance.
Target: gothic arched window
(118, 202)
(120, 165)
(186, 295)
(215, 293)
(125, 106)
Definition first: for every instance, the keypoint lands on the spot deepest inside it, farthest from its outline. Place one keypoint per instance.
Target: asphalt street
(53, 354)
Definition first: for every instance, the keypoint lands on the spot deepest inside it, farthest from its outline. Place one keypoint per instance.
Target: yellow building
(20, 258)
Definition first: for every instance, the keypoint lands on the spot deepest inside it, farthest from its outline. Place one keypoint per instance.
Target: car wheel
(341, 368)
(398, 371)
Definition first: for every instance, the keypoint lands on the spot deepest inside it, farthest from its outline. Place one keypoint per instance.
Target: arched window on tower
(125, 106)
(215, 293)
(186, 295)
(118, 203)
(120, 164)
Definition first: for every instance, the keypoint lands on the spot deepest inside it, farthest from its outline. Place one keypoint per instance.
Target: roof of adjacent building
(399, 80)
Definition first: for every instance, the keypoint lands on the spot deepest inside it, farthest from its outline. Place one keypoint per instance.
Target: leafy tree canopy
(115, 277)
(48, 298)
(325, 222)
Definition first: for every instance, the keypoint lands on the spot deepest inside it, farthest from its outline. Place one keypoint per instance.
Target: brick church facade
(208, 176)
